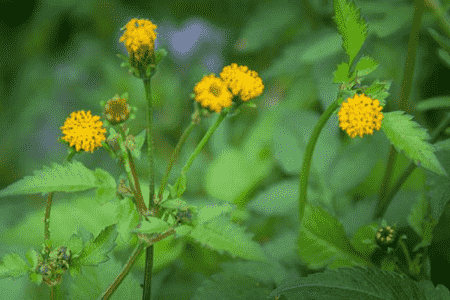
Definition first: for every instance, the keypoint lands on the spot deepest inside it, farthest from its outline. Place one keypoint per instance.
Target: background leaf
(12, 265)
(96, 250)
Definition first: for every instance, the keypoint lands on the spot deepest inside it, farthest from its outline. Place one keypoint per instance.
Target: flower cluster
(54, 266)
(139, 38)
(216, 93)
(360, 115)
(83, 131)
(386, 237)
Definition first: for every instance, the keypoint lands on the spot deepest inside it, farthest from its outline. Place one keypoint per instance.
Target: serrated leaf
(183, 230)
(365, 66)
(231, 285)
(12, 265)
(409, 137)
(341, 73)
(379, 90)
(95, 250)
(358, 283)
(153, 225)
(351, 27)
(220, 234)
(434, 103)
(322, 241)
(69, 177)
(175, 204)
(36, 278)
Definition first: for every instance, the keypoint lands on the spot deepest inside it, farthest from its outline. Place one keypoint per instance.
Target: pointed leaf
(359, 283)
(409, 137)
(365, 66)
(32, 257)
(434, 103)
(351, 27)
(323, 241)
(106, 186)
(341, 73)
(138, 143)
(12, 265)
(95, 250)
(69, 177)
(220, 234)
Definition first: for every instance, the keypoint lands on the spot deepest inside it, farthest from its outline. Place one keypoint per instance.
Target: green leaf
(321, 47)
(364, 239)
(106, 186)
(95, 250)
(351, 27)
(180, 185)
(421, 221)
(409, 137)
(153, 225)
(139, 142)
(32, 257)
(183, 230)
(75, 244)
(322, 241)
(434, 103)
(69, 177)
(379, 90)
(127, 218)
(12, 265)
(445, 56)
(232, 285)
(341, 73)
(214, 210)
(36, 278)
(220, 234)
(365, 66)
(359, 283)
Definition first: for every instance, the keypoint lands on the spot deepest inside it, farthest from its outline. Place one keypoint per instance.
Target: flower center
(214, 89)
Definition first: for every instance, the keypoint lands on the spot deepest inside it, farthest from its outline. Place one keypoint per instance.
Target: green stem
(304, 175)
(405, 251)
(405, 92)
(134, 256)
(150, 148)
(48, 207)
(204, 141)
(434, 136)
(173, 158)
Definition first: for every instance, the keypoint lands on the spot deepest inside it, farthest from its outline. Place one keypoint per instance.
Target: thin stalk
(133, 178)
(48, 206)
(439, 13)
(307, 158)
(134, 256)
(173, 158)
(405, 92)
(150, 147)
(204, 140)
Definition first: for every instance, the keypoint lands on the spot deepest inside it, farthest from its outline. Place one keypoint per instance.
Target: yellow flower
(242, 81)
(213, 93)
(83, 131)
(139, 38)
(360, 115)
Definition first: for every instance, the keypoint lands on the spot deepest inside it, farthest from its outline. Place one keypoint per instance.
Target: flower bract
(83, 131)
(360, 115)
(117, 110)
(212, 92)
(242, 81)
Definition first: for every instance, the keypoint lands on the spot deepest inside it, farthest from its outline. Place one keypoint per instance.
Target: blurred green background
(60, 56)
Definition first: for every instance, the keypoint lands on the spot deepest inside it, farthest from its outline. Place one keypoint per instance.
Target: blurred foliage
(60, 56)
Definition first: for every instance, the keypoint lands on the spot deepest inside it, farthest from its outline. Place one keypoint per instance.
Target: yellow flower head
(213, 93)
(242, 81)
(139, 38)
(360, 115)
(83, 131)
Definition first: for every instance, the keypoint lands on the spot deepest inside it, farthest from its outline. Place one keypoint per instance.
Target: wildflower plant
(321, 242)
